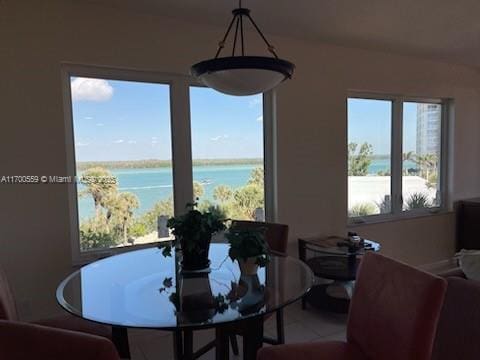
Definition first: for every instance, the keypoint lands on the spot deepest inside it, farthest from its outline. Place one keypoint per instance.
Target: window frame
(180, 127)
(396, 157)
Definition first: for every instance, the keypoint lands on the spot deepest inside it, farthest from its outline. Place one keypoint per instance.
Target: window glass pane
(369, 156)
(227, 152)
(421, 155)
(123, 159)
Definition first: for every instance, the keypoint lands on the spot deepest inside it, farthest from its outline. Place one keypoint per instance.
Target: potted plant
(191, 296)
(249, 248)
(193, 232)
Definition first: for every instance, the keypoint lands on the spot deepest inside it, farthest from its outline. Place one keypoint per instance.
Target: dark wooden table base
(252, 341)
(120, 339)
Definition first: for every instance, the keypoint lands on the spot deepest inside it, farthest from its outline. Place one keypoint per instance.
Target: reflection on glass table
(144, 289)
(335, 260)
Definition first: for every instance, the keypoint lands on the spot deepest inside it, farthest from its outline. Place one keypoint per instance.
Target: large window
(422, 152)
(227, 151)
(123, 160)
(369, 156)
(395, 156)
(142, 146)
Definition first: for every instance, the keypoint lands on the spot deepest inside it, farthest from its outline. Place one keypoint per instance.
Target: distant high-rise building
(428, 128)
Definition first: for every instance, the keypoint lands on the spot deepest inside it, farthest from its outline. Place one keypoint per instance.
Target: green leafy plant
(362, 209)
(418, 201)
(138, 229)
(193, 231)
(248, 243)
(359, 159)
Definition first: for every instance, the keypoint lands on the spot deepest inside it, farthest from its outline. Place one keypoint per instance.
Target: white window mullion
(397, 157)
(445, 172)
(181, 145)
(270, 155)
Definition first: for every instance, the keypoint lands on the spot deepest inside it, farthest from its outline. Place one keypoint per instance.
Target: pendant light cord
(221, 44)
(238, 15)
(270, 47)
(236, 35)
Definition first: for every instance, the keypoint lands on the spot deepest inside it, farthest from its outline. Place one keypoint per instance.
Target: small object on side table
(335, 259)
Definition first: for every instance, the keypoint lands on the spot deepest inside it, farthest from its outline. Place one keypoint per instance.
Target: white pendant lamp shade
(242, 75)
(242, 82)
(245, 75)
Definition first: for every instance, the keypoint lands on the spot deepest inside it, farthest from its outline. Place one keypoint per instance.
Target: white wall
(37, 36)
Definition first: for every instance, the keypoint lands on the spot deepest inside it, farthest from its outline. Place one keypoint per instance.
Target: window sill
(395, 218)
(90, 256)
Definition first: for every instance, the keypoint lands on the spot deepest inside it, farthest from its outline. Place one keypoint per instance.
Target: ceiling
(446, 30)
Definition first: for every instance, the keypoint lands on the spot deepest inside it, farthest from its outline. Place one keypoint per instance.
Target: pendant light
(241, 74)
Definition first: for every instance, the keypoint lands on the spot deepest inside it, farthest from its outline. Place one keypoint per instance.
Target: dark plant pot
(198, 259)
(255, 296)
(197, 303)
(249, 266)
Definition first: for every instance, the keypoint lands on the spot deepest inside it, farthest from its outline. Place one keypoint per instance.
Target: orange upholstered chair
(457, 333)
(393, 315)
(23, 341)
(8, 311)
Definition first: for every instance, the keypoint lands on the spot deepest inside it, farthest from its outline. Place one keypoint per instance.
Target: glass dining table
(144, 289)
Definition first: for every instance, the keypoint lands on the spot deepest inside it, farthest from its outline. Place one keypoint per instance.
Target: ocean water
(152, 185)
(384, 165)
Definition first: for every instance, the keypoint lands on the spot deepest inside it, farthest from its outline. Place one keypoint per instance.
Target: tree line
(155, 163)
(360, 158)
(114, 221)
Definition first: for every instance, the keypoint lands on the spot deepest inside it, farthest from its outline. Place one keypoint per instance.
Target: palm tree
(427, 163)
(120, 209)
(100, 184)
(409, 156)
(222, 193)
(198, 190)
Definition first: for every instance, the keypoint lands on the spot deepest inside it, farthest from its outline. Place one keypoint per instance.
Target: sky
(123, 120)
(370, 121)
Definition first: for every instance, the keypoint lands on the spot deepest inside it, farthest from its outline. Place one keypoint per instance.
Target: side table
(331, 259)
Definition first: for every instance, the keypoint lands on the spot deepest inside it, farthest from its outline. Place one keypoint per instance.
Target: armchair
(393, 315)
(23, 341)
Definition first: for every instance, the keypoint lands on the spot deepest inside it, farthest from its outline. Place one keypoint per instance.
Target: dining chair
(8, 311)
(24, 341)
(276, 235)
(393, 315)
(457, 333)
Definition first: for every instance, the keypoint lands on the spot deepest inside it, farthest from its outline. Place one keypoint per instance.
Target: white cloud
(131, 141)
(260, 118)
(88, 117)
(99, 124)
(119, 141)
(219, 137)
(87, 89)
(79, 143)
(254, 102)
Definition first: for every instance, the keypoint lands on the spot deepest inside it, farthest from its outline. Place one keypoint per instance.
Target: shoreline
(155, 163)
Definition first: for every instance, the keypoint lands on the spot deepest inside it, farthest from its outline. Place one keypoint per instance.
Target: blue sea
(152, 185)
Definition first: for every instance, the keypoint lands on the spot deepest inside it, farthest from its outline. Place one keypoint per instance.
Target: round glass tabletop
(335, 245)
(143, 289)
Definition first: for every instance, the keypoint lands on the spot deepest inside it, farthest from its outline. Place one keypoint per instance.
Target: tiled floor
(300, 326)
